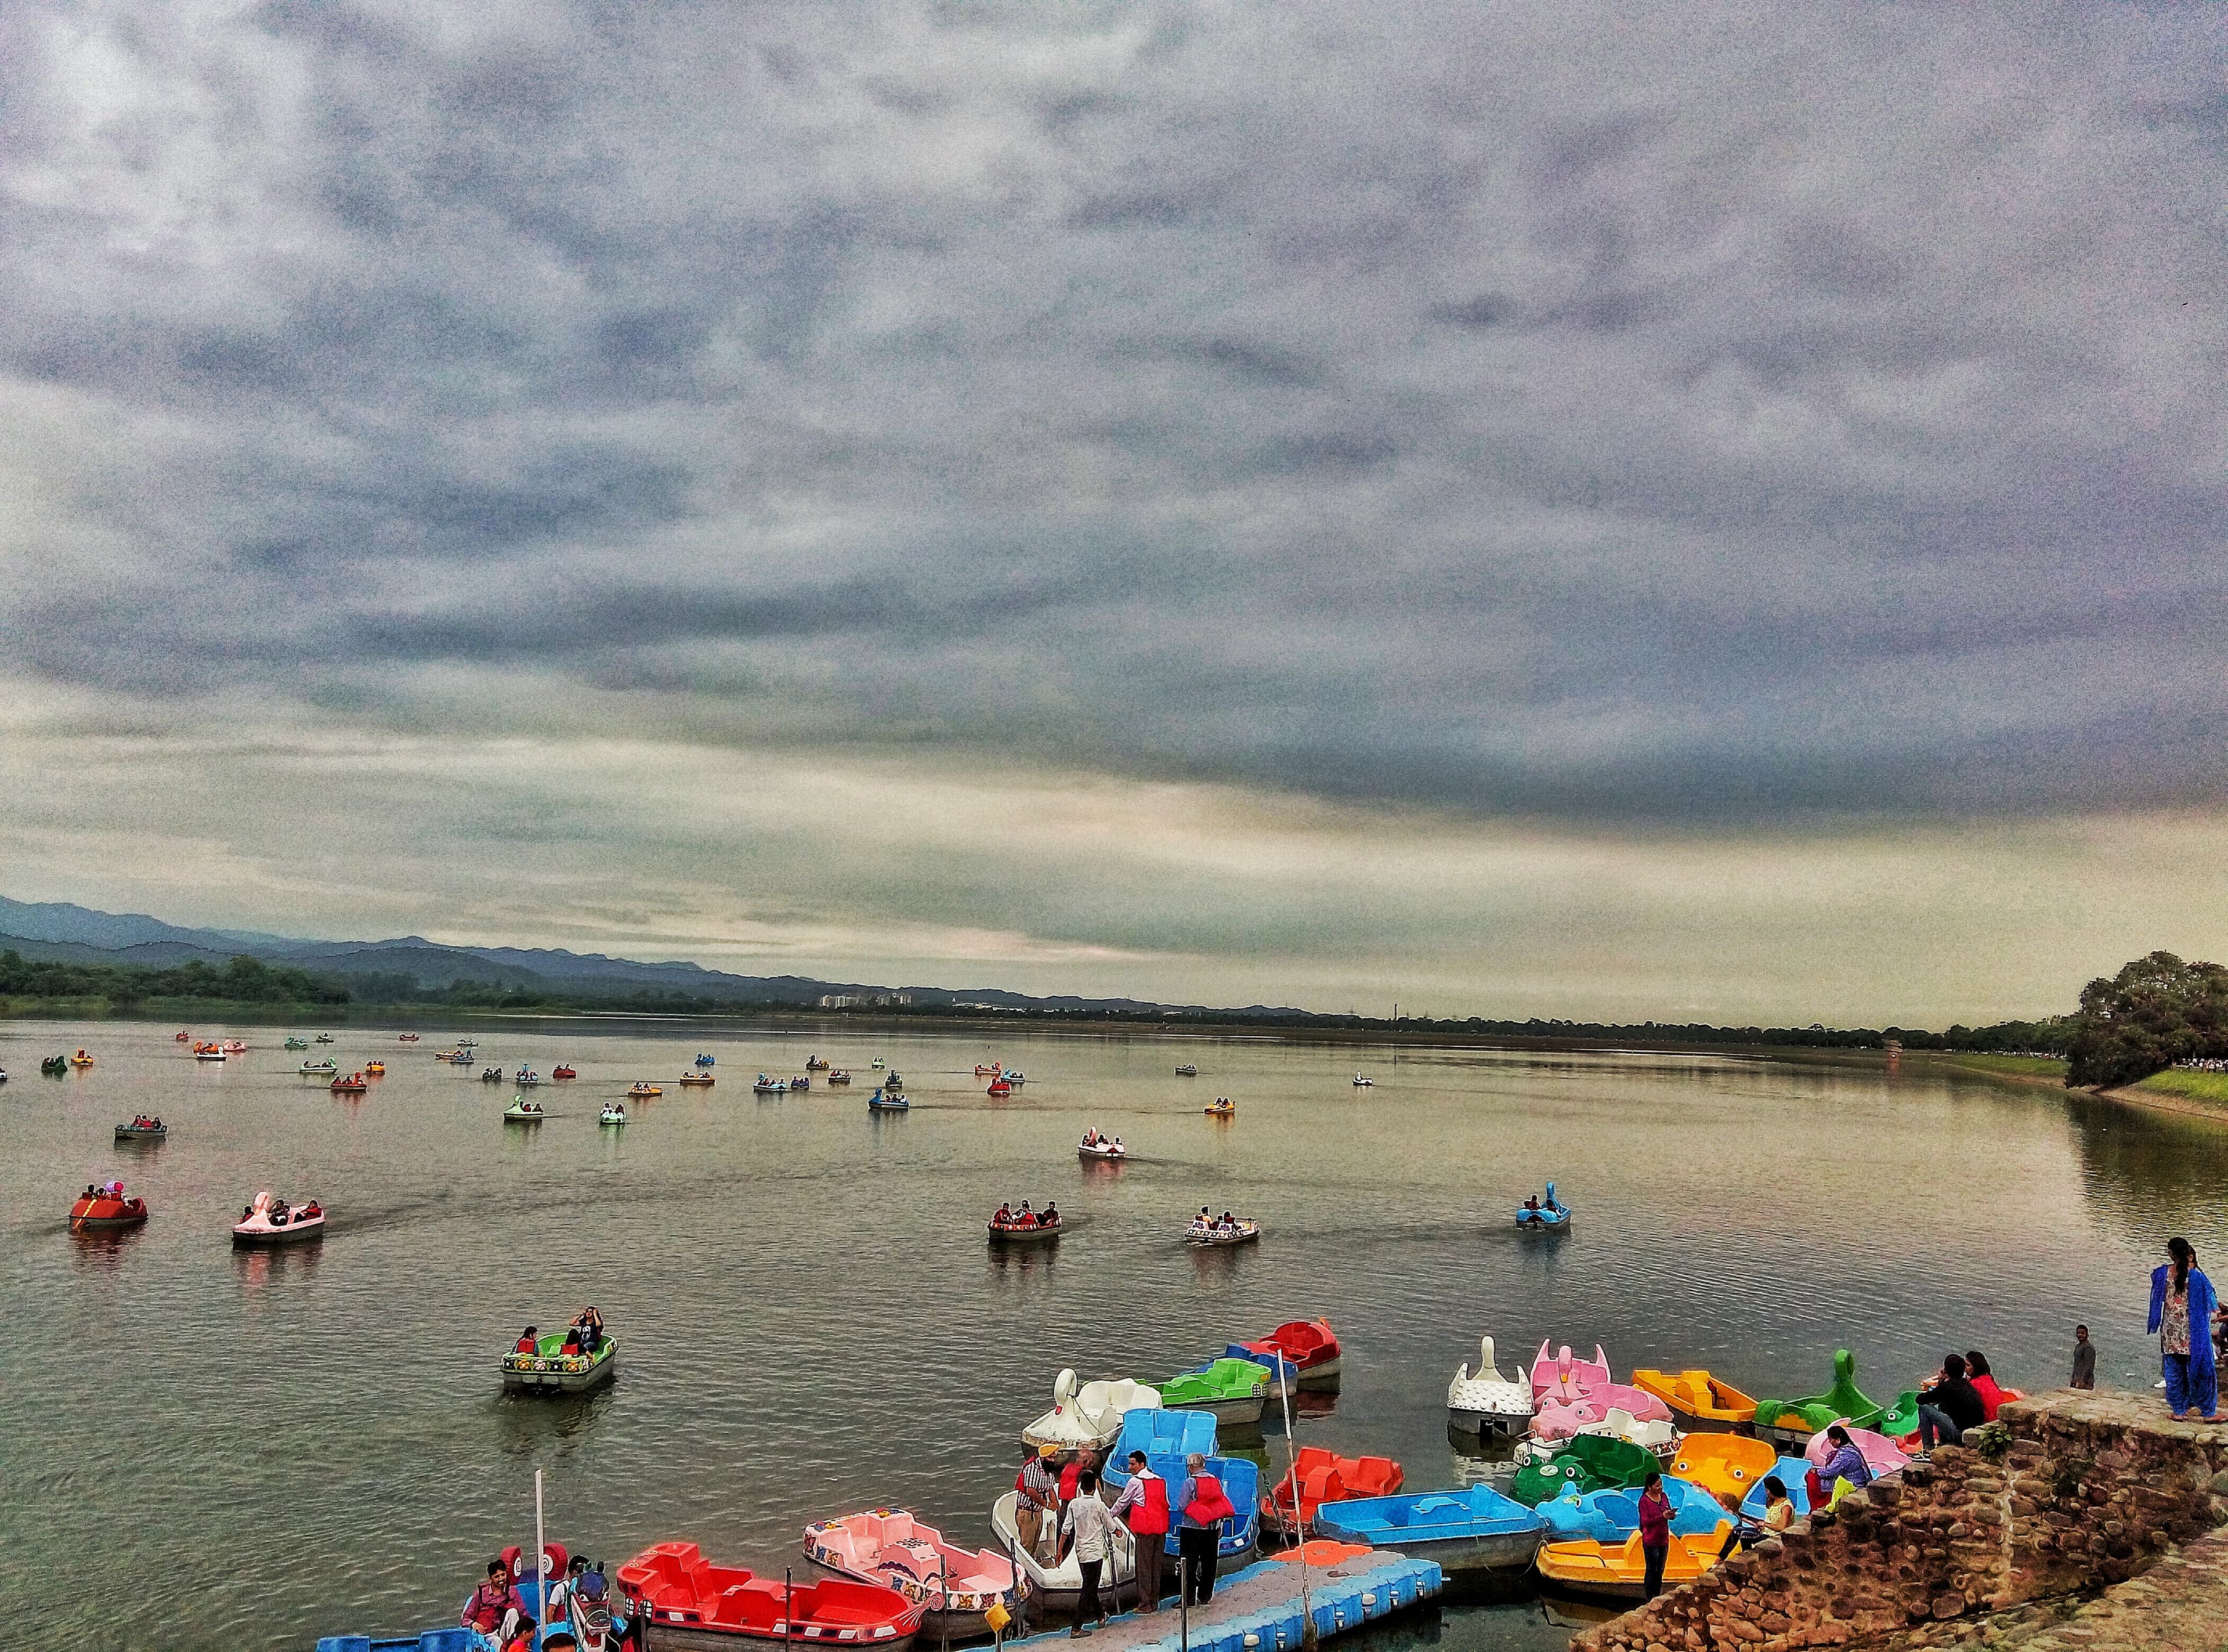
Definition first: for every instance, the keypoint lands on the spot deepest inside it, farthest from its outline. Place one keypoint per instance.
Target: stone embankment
(2075, 1521)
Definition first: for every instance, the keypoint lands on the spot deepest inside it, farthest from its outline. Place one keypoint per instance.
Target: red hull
(1307, 1343)
(108, 1212)
(687, 1601)
(1324, 1478)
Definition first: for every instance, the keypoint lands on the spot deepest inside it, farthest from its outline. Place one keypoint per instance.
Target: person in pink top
(1655, 1532)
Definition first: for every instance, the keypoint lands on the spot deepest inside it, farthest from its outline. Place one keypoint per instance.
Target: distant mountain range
(60, 932)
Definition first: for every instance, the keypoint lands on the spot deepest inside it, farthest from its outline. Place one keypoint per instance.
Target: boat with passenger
(234, 1046)
(1611, 1516)
(1221, 1107)
(888, 1100)
(1025, 1226)
(1363, 1083)
(454, 1058)
(704, 1058)
(324, 1069)
(999, 1087)
(698, 1079)
(1186, 1070)
(291, 1043)
(523, 1109)
(614, 1112)
(685, 1603)
(878, 1064)
(1619, 1571)
(104, 1206)
(644, 1088)
(409, 1038)
(526, 1076)
(208, 1053)
(323, 1038)
(569, 1361)
(354, 1083)
(374, 1069)
(271, 1221)
(490, 1075)
(814, 1064)
(799, 1081)
(763, 1085)
(839, 1077)
(82, 1059)
(1476, 1529)
(1095, 1145)
(1056, 1586)
(955, 1589)
(564, 1071)
(53, 1063)
(1550, 1215)
(1219, 1231)
(143, 1127)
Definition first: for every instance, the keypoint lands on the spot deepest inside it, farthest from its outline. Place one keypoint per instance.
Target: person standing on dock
(1090, 1525)
(1206, 1505)
(1145, 1501)
(2181, 1314)
(2084, 1359)
(1036, 1495)
(1654, 1534)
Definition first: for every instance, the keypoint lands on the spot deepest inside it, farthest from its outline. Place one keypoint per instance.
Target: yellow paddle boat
(695, 1078)
(1619, 1571)
(644, 1090)
(1721, 1464)
(374, 1069)
(82, 1059)
(1221, 1107)
(1699, 1400)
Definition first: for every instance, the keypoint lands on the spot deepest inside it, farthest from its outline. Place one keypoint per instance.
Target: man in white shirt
(1090, 1523)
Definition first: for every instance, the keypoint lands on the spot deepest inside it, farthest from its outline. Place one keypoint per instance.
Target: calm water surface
(206, 1449)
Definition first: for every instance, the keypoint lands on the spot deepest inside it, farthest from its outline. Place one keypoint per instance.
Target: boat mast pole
(541, 1560)
(1307, 1636)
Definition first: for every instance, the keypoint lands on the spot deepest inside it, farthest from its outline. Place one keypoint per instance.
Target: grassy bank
(2193, 1086)
(178, 1010)
(2010, 1066)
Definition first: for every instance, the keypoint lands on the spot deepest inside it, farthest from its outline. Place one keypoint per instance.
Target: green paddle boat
(1792, 1422)
(1588, 1462)
(1233, 1390)
(550, 1370)
(1901, 1417)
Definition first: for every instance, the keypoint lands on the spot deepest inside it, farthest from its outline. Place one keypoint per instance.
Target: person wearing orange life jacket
(1145, 1501)
(1204, 1506)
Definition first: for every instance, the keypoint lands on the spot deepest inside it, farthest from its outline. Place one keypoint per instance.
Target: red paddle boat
(1322, 1478)
(1311, 1346)
(563, 1073)
(687, 1604)
(105, 1206)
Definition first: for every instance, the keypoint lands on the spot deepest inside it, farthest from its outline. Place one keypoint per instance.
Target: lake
(212, 1449)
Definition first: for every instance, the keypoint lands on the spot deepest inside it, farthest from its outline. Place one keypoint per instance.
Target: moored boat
(271, 1221)
(354, 1085)
(1475, 1529)
(1792, 1422)
(1057, 1585)
(1159, 1432)
(1317, 1476)
(1619, 1571)
(1088, 1414)
(1485, 1402)
(1699, 1401)
(955, 1589)
(685, 1603)
(1588, 1462)
(1793, 1474)
(1310, 1344)
(105, 1206)
(1721, 1462)
(1230, 1391)
(550, 1368)
(523, 1109)
(644, 1088)
(143, 1129)
(1611, 1516)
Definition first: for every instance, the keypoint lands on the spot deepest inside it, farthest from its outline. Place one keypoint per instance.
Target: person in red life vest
(1144, 1500)
(496, 1609)
(1071, 1478)
(525, 1342)
(1204, 1506)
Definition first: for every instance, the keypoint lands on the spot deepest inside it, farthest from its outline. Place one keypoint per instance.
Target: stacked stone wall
(2067, 1493)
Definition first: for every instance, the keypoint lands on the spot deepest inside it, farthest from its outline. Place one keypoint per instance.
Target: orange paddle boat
(1321, 1479)
(1699, 1400)
(104, 1207)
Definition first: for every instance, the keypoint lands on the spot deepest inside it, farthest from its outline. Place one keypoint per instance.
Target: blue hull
(1475, 1530)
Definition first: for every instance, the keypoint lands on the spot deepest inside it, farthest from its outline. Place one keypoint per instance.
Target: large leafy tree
(2157, 1011)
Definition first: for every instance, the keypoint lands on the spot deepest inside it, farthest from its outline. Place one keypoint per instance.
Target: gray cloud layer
(1646, 415)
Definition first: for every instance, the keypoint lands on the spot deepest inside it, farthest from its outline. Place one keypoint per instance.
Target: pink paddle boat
(1553, 1423)
(1559, 1376)
(1881, 1454)
(888, 1546)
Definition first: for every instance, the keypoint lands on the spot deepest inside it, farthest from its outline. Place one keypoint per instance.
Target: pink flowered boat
(888, 1546)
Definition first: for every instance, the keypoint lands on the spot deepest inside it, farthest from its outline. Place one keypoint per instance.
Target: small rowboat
(105, 1208)
(644, 1090)
(697, 1080)
(614, 1112)
(524, 1111)
(563, 1073)
(1034, 1233)
(1317, 1477)
(1103, 1147)
(1058, 1587)
(324, 1069)
(1241, 1231)
(955, 1590)
(549, 1369)
(272, 1221)
(353, 1084)
(154, 1130)
(1186, 1070)
(685, 1603)
(839, 1077)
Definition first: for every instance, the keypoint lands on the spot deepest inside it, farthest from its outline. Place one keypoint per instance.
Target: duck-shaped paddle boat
(1486, 1402)
(1619, 1571)
(955, 1590)
(1729, 1463)
(1362, 1083)
(272, 1221)
(1698, 1400)
(103, 1206)
(614, 1112)
(523, 1109)
(1317, 1476)
(1792, 1422)
(683, 1601)
(642, 1088)
(1090, 1414)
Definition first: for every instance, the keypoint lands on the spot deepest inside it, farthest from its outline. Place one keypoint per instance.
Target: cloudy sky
(1654, 510)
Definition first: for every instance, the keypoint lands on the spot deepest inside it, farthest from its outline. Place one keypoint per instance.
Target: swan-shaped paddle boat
(1360, 1083)
(523, 1110)
(1487, 1402)
(1550, 1215)
(887, 1100)
(272, 1221)
(1090, 1414)
(1095, 1146)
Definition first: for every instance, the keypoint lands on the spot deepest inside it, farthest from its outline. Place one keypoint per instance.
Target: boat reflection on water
(101, 1250)
(256, 1266)
(526, 1422)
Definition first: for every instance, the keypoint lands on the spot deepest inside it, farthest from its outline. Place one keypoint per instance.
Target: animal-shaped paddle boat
(1554, 1423)
(683, 1601)
(1227, 1390)
(800, 1081)
(1619, 1571)
(526, 1076)
(1730, 1463)
(557, 1364)
(1485, 1402)
(143, 1129)
(1589, 1462)
(705, 1059)
(1699, 1400)
(291, 1043)
(887, 1100)
(55, 1065)
(1317, 1476)
(955, 1589)
(1794, 1473)
(1610, 1517)
(1089, 1413)
(103, 1207)
(1560, 1375)
(1792, 1422)
(271, 1221)
(812, 1064)
(1474, 1530)
(1549, 1215)
(1309, 1345)
(1057, 1585)
(1881, 1454)
(523, 1109)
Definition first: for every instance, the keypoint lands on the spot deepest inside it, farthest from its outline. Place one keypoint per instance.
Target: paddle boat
(1095, 1146)
(291, 1043)
(812, 1064)
(1058, 1587)
(1221, 1107)
(1792, 1422)
(878, 1064)
(272, 1221)
(1360, 1083)
(885, 1100)
(1547, 1215)
(614, 1112)
(1207, 1234)
(797, 1081)
(696, 1080)
(143, 1129)
(82, 1059)
(1024, 1227)
(1090, 1414)
(1473, 1530)
(955, 1589)
(765, 1087)
(1793, 1474)
(1610, 1517)
(705, 1060)
(1158, 1432)
(234, 1046)
(208, 1053)
(564, 1072)
(642, 1088)
(523, 1109)
(1619, 1571)
(374, 1069)
(354, 1085)
(1485, 1402)
(1554, 1423)
(1317, 1476)
(1310, 1344)
(1015, 1076)
(323, 1038)
(1226, 1390)
(55, 1064)
(1881, 1454)
(468, 1043)
(324, 1069)
(1186, 1070)
(104, 1206)
(1589, 1462)
(1241, 1483)
(490, 1075)
(4, 1075)
(454, 1058)
(1731, 1464)
(183, 1036)
(549, 1369)
(409, 1038)
(1561, 1376)
(1899, 1421)
(526, 1076)
(999, 1087)
(839, 1077)
(1699, 1401)
(686, 1603)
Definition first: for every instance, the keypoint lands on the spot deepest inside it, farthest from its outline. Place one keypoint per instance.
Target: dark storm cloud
(1607, 413)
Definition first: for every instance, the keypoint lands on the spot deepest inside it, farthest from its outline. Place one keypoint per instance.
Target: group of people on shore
(1007, 1216)
(1057, 1515)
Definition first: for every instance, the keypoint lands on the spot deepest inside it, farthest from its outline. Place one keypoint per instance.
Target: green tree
(2157, 1011)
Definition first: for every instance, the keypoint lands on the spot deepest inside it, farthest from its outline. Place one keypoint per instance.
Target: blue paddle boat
(452, 1639)
(703, 1061)
(1610, 1517)
(1159, 1433)
(1283, 1375)
(1241, 1483)
(1477, 1529)
(1550, 1214)
(1791, 1472)
(888, 1101)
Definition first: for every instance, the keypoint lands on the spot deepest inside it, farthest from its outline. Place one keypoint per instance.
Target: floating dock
(1257, 1609)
